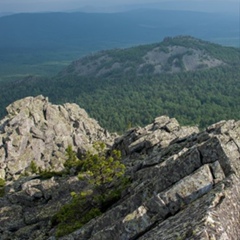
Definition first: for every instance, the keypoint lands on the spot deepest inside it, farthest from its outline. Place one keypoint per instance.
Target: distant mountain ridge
(173, 55)
(183, 5)
(42, 43)
(116, 29)
(189, 5)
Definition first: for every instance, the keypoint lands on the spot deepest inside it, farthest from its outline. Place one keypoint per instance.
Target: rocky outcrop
(185, 184)
(30, 203)
(36, 130)
(170, 56)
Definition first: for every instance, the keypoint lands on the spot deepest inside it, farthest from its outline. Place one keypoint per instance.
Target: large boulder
(37, 131)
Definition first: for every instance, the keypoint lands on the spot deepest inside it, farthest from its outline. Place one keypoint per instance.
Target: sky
(114, 5)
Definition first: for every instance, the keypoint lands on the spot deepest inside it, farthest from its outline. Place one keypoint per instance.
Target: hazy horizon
(17, 6)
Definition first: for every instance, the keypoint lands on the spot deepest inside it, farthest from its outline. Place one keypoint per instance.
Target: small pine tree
(72, 159)
(100, 170)
(33, 167)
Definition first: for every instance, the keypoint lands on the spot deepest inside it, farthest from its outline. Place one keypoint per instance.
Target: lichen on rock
(184, 182)
(36, 130)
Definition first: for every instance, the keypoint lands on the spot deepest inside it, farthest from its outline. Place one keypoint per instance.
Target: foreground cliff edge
(184, 182)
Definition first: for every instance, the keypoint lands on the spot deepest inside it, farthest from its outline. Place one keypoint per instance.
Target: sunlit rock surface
(36, 130)
(185, 182)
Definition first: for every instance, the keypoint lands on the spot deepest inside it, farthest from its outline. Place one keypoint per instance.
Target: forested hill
(173, 55)
(43, 43)
(195, 81)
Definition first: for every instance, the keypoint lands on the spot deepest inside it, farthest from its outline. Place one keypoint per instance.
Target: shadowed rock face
(185, 185)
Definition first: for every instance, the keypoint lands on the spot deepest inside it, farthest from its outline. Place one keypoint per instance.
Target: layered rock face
(36, 130)
(185, 185)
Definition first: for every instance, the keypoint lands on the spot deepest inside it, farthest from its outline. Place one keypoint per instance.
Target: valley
(43, 43)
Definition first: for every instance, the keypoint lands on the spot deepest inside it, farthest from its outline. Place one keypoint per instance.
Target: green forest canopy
(118, 101)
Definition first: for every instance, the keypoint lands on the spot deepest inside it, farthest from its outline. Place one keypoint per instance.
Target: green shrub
(72, 161)
(46, 174)
(2, 182)
(2, 185)
(104, 173)
(99, 169)
(84, 207)
(74, 215)
(33, 167)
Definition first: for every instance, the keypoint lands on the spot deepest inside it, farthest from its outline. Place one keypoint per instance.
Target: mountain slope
(42, 43)
(172, 55)
(182, 77)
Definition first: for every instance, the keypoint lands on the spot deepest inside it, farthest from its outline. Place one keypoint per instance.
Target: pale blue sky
(113, 5)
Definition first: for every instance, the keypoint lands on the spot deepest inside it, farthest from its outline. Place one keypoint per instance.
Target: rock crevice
(185, 183)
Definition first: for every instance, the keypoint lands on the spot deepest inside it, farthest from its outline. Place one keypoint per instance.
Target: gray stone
(184, 183)
(36, 130)
(11, 218)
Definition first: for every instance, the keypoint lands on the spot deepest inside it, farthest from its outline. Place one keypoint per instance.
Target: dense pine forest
(134, 94)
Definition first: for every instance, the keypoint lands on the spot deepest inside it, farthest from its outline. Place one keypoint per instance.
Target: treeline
(194, 98)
